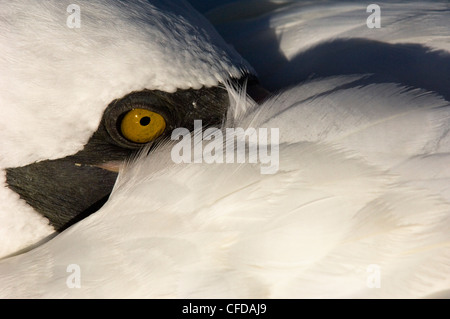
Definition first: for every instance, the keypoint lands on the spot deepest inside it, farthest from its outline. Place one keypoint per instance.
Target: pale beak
(113, 166)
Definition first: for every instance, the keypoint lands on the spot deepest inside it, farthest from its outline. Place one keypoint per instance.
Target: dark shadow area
(409, 64)
(206, 5)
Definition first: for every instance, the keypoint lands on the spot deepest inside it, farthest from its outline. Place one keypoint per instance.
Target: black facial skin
(69, 189)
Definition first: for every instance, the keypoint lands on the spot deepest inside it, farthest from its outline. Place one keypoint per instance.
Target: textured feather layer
(302, 39)
(314, 229)
(56, 81)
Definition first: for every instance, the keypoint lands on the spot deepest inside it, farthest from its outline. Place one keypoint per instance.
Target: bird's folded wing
(331, 217)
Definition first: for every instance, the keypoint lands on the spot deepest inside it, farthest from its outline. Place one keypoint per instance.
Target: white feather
(363, 179)
(56, 81)
(303, 38)
(225, 230)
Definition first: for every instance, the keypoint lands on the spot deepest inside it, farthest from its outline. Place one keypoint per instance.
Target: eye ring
(153, 107)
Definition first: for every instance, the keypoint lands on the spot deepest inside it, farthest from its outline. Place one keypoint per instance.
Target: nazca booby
(343, 201)
(64, 91)
(359, 186)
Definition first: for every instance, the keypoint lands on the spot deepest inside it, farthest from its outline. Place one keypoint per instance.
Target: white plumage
(281, 44)
(362, 181)
(224, 230)
(56, 81)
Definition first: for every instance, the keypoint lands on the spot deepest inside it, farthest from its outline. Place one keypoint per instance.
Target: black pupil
(145, 121)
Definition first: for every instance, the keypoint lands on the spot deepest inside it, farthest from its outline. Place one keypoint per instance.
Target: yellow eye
(142, 126)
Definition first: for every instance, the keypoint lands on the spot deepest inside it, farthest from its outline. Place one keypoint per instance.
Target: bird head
(78, 101)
